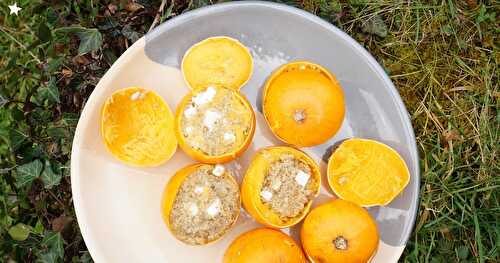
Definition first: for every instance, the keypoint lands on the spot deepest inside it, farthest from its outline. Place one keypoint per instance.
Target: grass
(441, 55)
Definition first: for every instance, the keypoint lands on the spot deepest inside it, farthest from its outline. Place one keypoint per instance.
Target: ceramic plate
(118, 207)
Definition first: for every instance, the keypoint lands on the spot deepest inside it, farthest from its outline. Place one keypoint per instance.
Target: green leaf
(49, 93)
(52, 91)
(17, 137)
(85, 258)
(44, 33)
(48, 257)
(375, 26)
(54, 64)
(19, 232)
(463, 252)
(48, 176)
(39, 228)
(56, 133)
(130, 33)
(26, 173)
(70, 119)
(90, 38)
(55, 243)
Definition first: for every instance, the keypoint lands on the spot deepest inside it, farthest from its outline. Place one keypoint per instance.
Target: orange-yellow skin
(171, 190)
(254, 178)
(264, 245)
(339, 218)
(217, 61)
(199, 155)
(367, 172)
(303, 104)
(137, 127)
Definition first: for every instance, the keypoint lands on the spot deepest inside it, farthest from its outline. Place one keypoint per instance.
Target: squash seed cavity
(288, 186)
(216, 122)
(205, 207)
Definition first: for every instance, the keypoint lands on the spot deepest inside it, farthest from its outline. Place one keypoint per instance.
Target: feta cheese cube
(218, 170)
(266, 195)
(190, 112)
(214, 208)
(136, 95)
(211, 116)
(198, 189)
(229, 137)
(204, 97)
(302, 178)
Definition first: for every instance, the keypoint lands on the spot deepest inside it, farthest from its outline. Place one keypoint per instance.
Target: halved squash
(137, 127)
(215, 124)
(280, 185)
(201, 203)
(367, 172)
(217, 61)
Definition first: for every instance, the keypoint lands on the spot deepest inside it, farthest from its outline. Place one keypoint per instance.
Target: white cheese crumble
(193, 209)
(213, 208)
(218, 170)
(266, 195)
(302, 178)
(229, 137)
(198, 189)
(190, 112)
(210, 118)
(136, 95)
(205, 96)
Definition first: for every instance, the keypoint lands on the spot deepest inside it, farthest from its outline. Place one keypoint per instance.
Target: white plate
(118, 207)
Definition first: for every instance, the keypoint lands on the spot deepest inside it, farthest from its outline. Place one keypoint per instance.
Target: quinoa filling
(206, 205)
(216, 122)
(288, 186)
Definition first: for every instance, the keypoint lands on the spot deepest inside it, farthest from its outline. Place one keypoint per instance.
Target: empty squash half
(303, 104)
(215, 124)
(280, 185)
(137, 127)
(264, 245)
(201, 202)
(217, 61)
(367, 172)
(339, 231)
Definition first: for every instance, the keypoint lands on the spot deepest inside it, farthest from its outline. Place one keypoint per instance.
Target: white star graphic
(14, 9)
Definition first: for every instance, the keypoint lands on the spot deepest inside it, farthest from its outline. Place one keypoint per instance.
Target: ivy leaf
(54, 64)
(16, 138)
(56, 133)
(90, 38)
(19, 232)
(50, 93)
(48, 257)
(26, 173)
(48, 176)
(85, 258)
(43, 33)
(375, 26)
(129, 33)
(55, 243)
